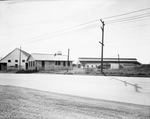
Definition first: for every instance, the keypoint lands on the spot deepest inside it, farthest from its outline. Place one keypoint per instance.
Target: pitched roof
(107, 59)
(112, 60)
(25, 53)
(49, 57)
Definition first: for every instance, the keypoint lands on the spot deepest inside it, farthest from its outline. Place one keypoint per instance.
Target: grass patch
(27, 71)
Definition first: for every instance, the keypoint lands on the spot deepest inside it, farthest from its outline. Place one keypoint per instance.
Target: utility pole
(68, 60)
(102, 43)
(20, 59)
(119, 61)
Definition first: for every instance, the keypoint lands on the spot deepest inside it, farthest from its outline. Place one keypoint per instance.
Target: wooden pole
(20, 59)
(68, 59)
(102, 44)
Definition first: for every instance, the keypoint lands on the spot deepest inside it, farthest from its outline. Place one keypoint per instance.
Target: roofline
(135, 62)
(48, 59)
(8, 54)
(27, 54)
(13, 51)
(54, 60)
(45, 54)
(108, 58)
(28, 57)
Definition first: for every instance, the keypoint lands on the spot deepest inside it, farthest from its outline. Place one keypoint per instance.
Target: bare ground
(23, 103)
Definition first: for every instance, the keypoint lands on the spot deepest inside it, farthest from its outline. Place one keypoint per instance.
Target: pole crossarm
(102, 22)
(102, 28)
(101, 43)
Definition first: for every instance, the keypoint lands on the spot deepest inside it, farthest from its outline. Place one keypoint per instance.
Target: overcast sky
(49, 26)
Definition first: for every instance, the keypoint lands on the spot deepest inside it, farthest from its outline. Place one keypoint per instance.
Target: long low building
(37, 61)
(112, 63)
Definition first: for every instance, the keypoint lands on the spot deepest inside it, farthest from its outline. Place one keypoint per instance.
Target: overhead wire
(88, 25)
(128, 18)
(97, 20)
(61, 31)
(55, 34)
(82, 27)
(126, 13)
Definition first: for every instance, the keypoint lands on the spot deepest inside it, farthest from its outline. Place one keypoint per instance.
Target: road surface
(122, 89)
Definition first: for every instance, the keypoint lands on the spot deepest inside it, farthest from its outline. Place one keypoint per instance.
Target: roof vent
(59, 53)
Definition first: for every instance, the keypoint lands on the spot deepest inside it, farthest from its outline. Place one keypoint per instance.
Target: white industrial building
(21, 60)
(14, 60)
(111, 63)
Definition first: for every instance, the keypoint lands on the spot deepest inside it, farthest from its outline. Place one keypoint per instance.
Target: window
(58, 62)
(9, 60)
(16, 65)
(68, 63)
(16, 60)
(23, 60)
(33, 63)
(64, 63)
(55, 62)
(43, 64)
(29, 63)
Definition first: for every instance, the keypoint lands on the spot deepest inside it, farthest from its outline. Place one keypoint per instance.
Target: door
(26, 66)
(3, 66)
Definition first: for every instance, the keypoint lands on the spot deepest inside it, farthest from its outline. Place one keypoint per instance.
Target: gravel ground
(23, 103)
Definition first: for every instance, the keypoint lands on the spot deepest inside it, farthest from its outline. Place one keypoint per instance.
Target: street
(122, 89)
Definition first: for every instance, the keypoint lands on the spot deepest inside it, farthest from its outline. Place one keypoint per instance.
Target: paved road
(123, 89)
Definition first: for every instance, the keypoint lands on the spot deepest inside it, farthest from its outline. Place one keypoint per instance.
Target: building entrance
(3, 66)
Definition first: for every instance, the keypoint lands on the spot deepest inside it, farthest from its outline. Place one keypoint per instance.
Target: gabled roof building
(19, 59)
(14, 60)
(37, 61)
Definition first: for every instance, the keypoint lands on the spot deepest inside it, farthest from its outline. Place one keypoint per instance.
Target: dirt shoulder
(143, 71)
(23, 103)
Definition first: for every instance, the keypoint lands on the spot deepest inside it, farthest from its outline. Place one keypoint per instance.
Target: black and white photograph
(74, 59)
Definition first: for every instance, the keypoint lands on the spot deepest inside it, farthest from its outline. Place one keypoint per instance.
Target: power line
(128, 18)
(55, 34)
(75, 29)
(66, 30)
(127, 21)
(97, 20)
(85, 26)
(126, 13)
(136, 16)
(71, 30)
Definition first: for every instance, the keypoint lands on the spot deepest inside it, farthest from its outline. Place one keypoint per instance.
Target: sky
(50, 26)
